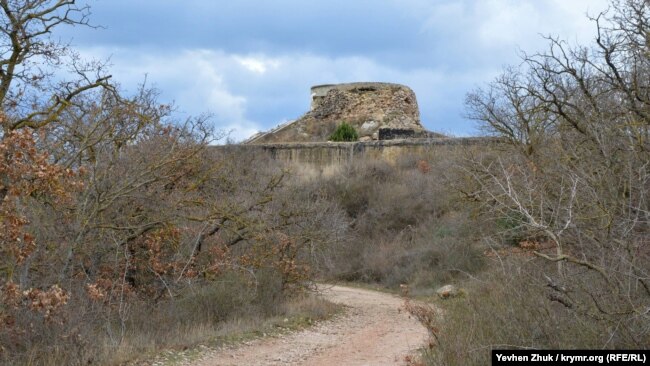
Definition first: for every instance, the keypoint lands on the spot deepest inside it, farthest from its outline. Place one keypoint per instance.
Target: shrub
(509, 308)
(344, 132)
(406, 225)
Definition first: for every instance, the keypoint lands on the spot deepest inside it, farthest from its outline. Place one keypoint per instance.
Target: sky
(250, 63)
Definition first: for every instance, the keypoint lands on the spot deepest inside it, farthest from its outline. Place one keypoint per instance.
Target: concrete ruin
(378, 111)
(386, 116)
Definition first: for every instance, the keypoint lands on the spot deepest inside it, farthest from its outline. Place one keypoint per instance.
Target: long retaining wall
(323, 155)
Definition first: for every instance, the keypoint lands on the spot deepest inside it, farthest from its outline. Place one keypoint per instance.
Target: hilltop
(377, 111)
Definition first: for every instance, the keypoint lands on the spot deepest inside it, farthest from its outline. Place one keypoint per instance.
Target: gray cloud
(251, 62)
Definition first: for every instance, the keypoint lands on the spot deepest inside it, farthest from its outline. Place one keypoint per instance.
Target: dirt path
(373, 331)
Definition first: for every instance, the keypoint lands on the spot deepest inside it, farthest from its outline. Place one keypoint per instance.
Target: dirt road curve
(372, 332)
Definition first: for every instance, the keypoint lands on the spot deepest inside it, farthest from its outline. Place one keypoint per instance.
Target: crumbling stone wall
(368, 107)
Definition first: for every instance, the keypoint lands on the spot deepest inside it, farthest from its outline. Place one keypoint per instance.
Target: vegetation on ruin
(344, 132)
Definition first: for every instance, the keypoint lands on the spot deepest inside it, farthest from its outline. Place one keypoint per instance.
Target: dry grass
(295, 314)
(507, 308)
(227, 311)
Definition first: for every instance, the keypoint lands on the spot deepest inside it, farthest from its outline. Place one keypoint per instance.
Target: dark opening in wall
(365, 89)
(396, 133)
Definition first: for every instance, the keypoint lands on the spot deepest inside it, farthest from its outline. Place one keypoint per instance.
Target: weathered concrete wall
(318, 92)
(324, 156)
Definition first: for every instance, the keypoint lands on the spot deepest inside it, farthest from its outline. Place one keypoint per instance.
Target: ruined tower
(375, 110)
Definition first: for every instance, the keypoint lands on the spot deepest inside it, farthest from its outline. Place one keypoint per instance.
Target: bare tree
(578, 119)
(30, 58)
